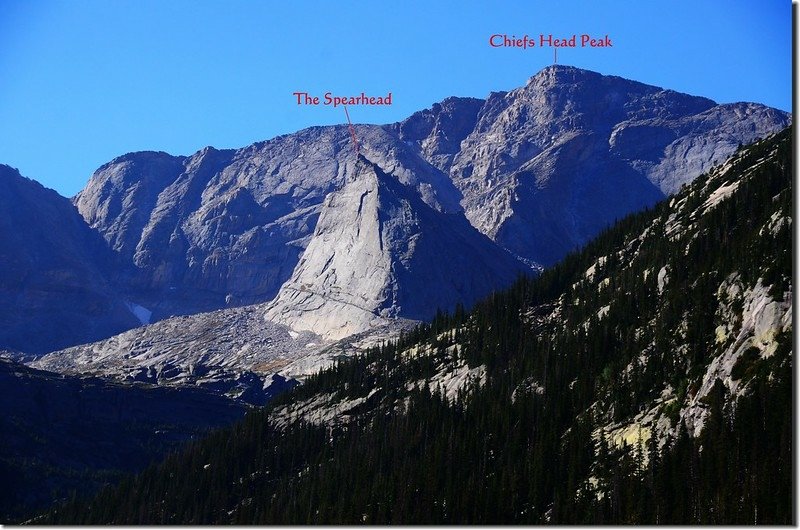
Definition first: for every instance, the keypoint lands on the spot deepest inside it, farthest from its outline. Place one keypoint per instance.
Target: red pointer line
(352, 130)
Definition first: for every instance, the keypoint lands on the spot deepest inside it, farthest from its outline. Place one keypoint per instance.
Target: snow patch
(140, 312)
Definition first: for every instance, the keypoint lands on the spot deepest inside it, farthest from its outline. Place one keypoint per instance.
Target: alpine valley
(570, 303)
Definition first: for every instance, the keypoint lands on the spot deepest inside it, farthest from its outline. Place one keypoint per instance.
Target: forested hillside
(62, 434)
(645, 379)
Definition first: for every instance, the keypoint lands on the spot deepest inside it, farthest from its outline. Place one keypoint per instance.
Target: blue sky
(84, 81)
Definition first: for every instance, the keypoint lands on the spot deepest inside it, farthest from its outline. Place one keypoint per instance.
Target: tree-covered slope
(64, 434)
(645, 379)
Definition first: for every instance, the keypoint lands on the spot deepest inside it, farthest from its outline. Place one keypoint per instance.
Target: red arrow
(352, 129)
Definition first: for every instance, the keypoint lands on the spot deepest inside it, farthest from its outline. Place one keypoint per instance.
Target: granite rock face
(379, 252)
(227, 228)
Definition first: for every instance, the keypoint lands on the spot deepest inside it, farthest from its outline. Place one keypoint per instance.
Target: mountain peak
(556, 74)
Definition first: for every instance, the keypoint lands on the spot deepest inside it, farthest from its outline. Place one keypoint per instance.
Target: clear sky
(83, 81)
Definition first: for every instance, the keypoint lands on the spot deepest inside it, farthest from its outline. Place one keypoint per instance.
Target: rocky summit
(542, 168)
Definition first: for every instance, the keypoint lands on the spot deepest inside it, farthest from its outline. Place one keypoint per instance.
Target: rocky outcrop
(379, 252)
(227, 228)
(233, 352)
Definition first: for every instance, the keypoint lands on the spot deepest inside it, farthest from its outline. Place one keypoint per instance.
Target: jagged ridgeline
(645, 379)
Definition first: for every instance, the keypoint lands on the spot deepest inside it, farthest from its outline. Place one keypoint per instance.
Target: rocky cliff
(379, 252)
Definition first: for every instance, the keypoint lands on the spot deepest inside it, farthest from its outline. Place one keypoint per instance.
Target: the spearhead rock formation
(378, 252)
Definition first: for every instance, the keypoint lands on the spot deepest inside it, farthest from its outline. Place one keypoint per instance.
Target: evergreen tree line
(566, 355)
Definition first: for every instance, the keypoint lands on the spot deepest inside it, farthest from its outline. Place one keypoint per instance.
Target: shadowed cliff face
(53, 291)
(538, 170)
